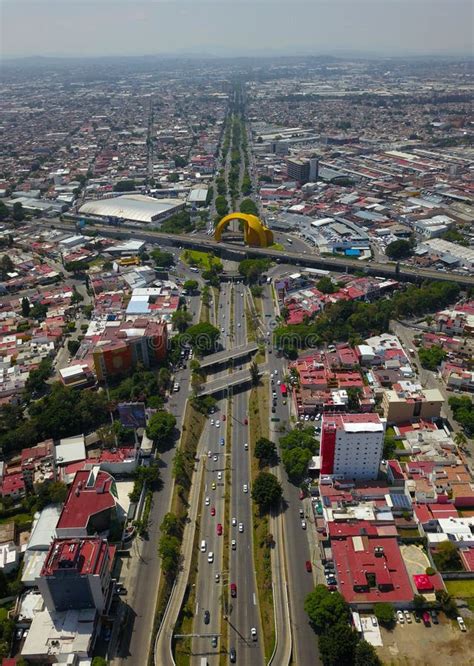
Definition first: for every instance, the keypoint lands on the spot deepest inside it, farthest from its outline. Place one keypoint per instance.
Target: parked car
(434, 617)
(426, 619)
(309, 568)
(407, 616)
(303, 524)
(400, 617)
(374, 621)
(234, 521)
(461, 624)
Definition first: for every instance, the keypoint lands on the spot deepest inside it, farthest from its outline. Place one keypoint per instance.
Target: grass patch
(399, 445)
(461, 588)
(277, 246)
(203, 260)
(22, 520)
(251, 326)
(258, 421)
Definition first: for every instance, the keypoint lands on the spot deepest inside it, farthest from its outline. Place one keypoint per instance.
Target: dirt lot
(417, 645)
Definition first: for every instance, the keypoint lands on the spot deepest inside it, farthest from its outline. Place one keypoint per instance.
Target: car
(239, 324)
(120, 590)
(219, 476)
(207, 617)
(233, 590)
(274, 394)
(303, 524)
(209, 454)
(306, 418)
(301, 511)
(278, 382)
(374, 621)
(222, 441)
(218, 423)
(232, 655)
(461, 624)
(207, 501)
(273, 410)
(213, 485)
(234, 521)
(214, 457)
(434, 617)
(224, 417)
(426, 619)
(19, 633)
(301, 417)
(407, 616)
(210, 557)
(275, 372)
(246, 446)
(246, 421)
(400, 617)
(302, 494)
(245, 488)
(417, 618)
(212, 421)
(222, 330)
(308, 566)
(241, 527)
(233, 544)
(253, 633)
(213, 510)
(214, 641)
(219, 529)
(217, 577)
(284, 402)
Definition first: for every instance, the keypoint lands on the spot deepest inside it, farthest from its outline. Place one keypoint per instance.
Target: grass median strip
(258, 420)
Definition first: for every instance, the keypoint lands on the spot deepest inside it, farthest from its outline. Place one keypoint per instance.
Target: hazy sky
(235, 27)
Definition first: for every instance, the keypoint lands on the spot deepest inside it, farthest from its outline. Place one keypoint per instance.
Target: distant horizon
(235, 28)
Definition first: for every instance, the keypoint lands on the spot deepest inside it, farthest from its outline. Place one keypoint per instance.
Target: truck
(203, 661)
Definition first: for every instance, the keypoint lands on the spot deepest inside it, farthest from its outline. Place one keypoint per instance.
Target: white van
(203, 546)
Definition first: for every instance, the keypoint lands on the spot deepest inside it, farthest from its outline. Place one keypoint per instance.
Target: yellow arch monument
(256, 233)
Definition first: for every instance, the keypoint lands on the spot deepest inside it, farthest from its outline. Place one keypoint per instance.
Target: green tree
(203, 337)
(18, 212)
(160, 429)
(325, 609)
(99, 661)
(162, 259)
(181, 319)
(296, 463)
(254, 373)
(36, 381)
(73, 346)
(365, 655)
(173, 177)
(249, 207)
(6, 265)
(337, 645)
(25, 306)
(385, 614)
(252, 269)
(168, 550)
(446, 557)
(432, 357)
(389, 447)
(419, 601)
(124, 186)
(190, 286)
(171, 525)
(448, 604)
(267, 491)
(326, 285)
(399, 249)
(265, 451)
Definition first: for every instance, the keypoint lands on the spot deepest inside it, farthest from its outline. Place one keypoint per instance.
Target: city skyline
(268, 27)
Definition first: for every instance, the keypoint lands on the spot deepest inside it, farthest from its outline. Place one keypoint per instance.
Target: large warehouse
(134, 207)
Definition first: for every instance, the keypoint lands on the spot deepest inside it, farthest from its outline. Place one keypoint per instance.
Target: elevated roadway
(228, 355)
(222, 383)
(239, 252)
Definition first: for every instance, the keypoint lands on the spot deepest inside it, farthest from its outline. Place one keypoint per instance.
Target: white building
(352, 445)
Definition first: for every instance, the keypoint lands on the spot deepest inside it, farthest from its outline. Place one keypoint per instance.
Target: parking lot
(417, 645)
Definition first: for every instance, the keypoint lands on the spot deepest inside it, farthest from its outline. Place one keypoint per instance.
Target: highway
(206, 243)
(297, 550)
(243, 610)
(208, 590)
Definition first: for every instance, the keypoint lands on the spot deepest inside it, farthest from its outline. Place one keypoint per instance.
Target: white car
(210, 557)
(233, 544)
(461, 624)
(278, 382)
(407, 616)
(275, 372)
(374, 621)
(238, 324)
(246, 446)
(212, 421)
(219, 476)
(207, 501)
(214, 458)
(303, 524)
(241, 527)
(218, 424)
(400, 617)
(253, 633)
(245, 488)
(222, 330)
(306, 418)
(234, 521)
(209, 453)
(217, 577)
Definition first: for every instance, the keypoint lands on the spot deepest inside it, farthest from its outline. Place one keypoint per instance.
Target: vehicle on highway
(233, 544)
(253, 633)
(212, 421)
(246, 446)
(203, 546)
(241, 527)
(213, 485)
(210, 557)
(233, 590)
(218, 423)
(224, 417)
(213, 511)
(207, 501)
(222, 441)
(232, 655)
(301, 513)
(245, 488)
(303, 524)
(234, 521)
(214, 641)
(246, 421)
(207, 617)
(273, 409)
(175, 387)
(215, 458)
(308, 566)
(219, 529)
(217, 577)
(209, 453)
(274, 394)
(219, 476)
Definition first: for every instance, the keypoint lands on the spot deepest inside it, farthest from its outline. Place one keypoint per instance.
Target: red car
(309, 568)
(224, 417)
(219, 529)
(302, 494)
(213, 511)
(246, 421)
(233, 590)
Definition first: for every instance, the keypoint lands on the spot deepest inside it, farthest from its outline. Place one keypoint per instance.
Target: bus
(283, 390)
(288, 240)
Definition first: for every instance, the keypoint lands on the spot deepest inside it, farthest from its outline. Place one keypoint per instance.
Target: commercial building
(302, 170)
(351, 445)
(407, 401)
(133, 207)
(77, 575)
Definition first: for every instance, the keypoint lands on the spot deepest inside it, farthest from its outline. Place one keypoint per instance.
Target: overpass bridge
(239, 252)
(228, 355)
(235, 379)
